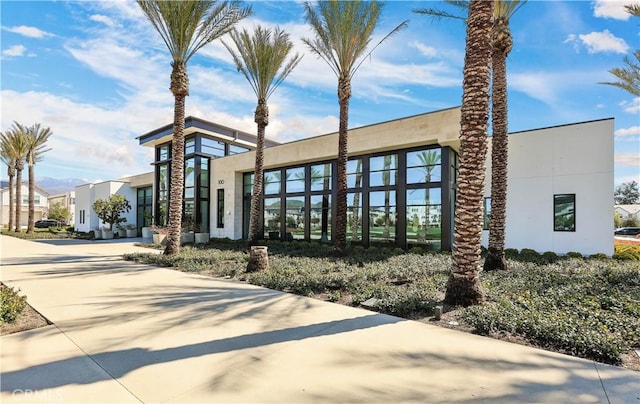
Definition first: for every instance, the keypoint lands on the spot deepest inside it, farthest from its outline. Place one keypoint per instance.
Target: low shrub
(549, 257)
(11, 304)
(529, 255)
(573, 254)
(511, 253)
(598, 256)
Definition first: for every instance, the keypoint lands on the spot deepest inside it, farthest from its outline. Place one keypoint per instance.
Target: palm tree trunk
(32, 193)
(261, 118)
(464, 287)
(12, 208)
(344, 93)
(18, 226)
(499, 154)
(180, 89)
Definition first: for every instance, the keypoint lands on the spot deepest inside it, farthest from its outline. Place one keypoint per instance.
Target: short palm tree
(37, 138)
(502, 43)
(464, 287)
(185, 27)
(8, 156)
(262, 59)
(343, 31)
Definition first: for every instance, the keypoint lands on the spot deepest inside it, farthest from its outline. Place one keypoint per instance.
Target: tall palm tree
(343, 31)
(261, 58)
(464, 287)
(37, 138)
(501, 44)
(185, 27)
(8, 156)
(18, 136)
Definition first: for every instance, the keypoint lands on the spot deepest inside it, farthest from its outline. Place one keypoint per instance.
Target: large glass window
(383, 170)
(295, 212)
(320, 217)
(144, 207)
(321, 177)
(272, 218)
(190, 145)
(423, 166)
(189, 178)
(564, 212)
(382, 216)
(272, 182)
(163, 152)
(424, 217)
(354, 173)
(233, 149)
(212, 147)
(295, 180)
(354, 216)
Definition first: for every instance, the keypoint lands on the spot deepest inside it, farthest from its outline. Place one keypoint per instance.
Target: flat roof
(197, 125)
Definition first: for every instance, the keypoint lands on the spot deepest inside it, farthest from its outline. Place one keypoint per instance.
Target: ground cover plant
(587, 307)
(50, 233)
(11, 304)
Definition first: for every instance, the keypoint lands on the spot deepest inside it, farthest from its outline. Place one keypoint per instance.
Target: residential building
(628, 211)
(40, 204)
(68, 201)
(402, 182)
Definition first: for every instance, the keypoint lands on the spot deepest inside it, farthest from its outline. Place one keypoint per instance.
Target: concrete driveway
(124, 332)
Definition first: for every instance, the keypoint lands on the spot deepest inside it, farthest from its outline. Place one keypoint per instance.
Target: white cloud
(103, 19)
(31, 32)
(612, 9)
(425, 50)
(604, 41)
(631, 131)
(632, 107)
(627, 159)
(15, 50)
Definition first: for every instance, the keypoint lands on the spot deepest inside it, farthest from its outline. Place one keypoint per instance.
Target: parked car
(627, 231)
(46, 223)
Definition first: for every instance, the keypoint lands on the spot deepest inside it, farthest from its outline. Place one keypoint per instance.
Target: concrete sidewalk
(133, 333)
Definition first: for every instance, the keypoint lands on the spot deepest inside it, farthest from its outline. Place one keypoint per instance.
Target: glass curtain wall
(399, 198)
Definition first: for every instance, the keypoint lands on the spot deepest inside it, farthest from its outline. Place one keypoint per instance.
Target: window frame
(556, 227)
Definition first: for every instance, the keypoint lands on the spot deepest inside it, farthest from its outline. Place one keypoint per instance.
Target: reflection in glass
(295, 217)
(272, 218)
(320, 221)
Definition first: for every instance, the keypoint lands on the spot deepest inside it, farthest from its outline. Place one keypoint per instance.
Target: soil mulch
(27, 320)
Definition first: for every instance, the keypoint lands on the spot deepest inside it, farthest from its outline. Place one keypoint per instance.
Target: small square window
(564, 212)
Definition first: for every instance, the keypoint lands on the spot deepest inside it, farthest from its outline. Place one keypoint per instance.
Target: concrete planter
(146, 233)
(132, 233)
(159, 239)
(107, 234)
(187, 238)
(202, 238)
(122, 233)
(97, 234)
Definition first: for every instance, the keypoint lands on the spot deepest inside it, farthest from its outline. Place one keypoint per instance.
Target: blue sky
(97, 74)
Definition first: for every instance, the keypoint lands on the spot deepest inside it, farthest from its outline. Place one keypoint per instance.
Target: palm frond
(629, 77)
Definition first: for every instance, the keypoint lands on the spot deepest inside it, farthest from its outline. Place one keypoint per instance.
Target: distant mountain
(58, 186)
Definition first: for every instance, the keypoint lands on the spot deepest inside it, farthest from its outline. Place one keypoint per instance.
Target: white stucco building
(401, 184)
(40, 204)
(68, 201)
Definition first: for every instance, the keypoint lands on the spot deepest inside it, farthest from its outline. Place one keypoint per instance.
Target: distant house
(628, 211)
(68, 201)
(41, 204)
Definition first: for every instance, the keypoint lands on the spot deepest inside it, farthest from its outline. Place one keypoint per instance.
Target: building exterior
(401, 184)
(137, 190)
(40, 204)
(628, 212)
(68, 201)
(560, 189)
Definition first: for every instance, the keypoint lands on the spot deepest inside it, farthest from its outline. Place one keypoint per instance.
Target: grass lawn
(587, 307)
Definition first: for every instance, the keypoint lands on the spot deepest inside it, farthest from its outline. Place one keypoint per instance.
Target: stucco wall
(570, 159)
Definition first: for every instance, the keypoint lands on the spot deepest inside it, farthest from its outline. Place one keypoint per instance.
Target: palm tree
(502, 43)
(8, 156)
(628, 77)
(17, 136)
(261, 59)
(36, 138)
(185, 27)
(343, 31)
(464, 287)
